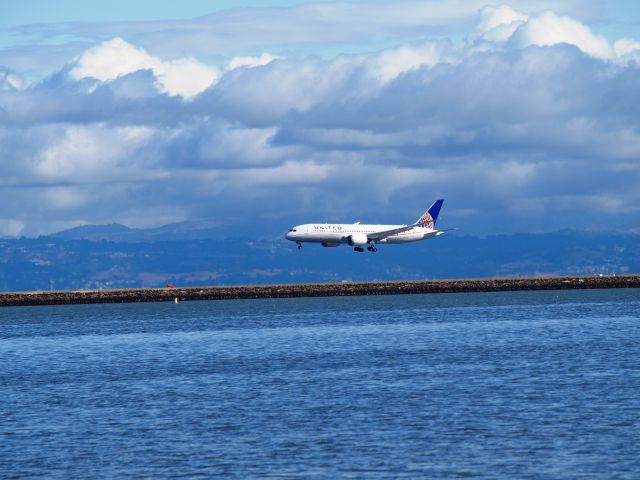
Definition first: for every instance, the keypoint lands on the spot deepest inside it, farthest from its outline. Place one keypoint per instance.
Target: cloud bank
(528, 123)
(116, 58)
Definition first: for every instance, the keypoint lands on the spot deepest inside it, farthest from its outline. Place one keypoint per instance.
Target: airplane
(359, 235)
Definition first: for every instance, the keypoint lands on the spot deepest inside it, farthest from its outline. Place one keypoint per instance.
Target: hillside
(54, 262)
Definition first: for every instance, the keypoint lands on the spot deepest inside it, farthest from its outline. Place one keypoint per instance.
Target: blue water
(497, 386)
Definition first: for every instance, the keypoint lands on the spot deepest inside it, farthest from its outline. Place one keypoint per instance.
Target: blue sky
(522, 114)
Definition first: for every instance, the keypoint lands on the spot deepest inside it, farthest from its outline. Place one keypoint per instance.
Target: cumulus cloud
(497, 24)
(552, 29)
(304, 28)
(532, 116)
(390, 63)
(93, 152)
(264, 59)
(10, 81)
(115, 58)
(627, 49)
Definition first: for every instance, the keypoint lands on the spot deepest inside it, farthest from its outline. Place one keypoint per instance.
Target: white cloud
(115, 58)
(551, 29)
(390, 63)
(306, 28)
(65, 198)
(10, 81)
(289, 173)
(627, 49)
(283, 87)
(185, 77)
(92, 153)
(264, 59)
(497, 24)
(234, 147)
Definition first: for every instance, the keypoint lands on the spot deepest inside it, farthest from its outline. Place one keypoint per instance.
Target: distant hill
(114, 256)
(113, 232)
(116, 232)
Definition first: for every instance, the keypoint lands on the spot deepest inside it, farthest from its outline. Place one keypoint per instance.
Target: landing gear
(371, 248)
(299, 245)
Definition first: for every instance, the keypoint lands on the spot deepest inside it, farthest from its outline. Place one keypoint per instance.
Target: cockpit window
(293, 230)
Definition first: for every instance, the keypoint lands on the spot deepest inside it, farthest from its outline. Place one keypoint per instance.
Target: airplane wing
(376, 236)
(387, 233)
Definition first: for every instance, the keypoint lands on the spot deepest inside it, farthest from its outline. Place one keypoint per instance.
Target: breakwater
(315, 290)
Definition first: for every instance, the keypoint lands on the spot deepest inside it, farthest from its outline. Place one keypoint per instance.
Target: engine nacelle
(358, 239)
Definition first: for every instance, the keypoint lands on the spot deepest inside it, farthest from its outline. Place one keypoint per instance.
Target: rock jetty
(315, 290)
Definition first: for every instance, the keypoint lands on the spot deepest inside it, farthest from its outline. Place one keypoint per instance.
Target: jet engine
(358, 239)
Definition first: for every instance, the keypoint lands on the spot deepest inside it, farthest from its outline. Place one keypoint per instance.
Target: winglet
(429, 218)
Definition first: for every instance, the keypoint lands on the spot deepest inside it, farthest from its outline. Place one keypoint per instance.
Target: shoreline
(241, 292)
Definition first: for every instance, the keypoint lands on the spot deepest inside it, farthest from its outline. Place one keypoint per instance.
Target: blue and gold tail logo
(426, 220)
(429, 218)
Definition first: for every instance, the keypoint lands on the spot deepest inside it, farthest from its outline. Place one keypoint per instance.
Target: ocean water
(494, 385)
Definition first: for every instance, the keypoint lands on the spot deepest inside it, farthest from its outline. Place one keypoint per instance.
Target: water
(497, 386)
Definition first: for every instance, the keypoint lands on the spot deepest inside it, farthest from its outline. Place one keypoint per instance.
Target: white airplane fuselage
(358, 235)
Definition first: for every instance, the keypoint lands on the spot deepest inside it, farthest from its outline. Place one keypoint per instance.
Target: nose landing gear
(299, 245)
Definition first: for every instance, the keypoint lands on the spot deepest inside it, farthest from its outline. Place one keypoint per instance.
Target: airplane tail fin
(429, 218)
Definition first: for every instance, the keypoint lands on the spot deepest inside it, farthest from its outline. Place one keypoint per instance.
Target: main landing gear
(371, 248)
(299, 245)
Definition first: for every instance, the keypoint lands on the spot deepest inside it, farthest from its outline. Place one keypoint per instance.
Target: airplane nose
(288, 236)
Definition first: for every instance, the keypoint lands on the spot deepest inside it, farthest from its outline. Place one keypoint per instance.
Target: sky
(258, 115)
